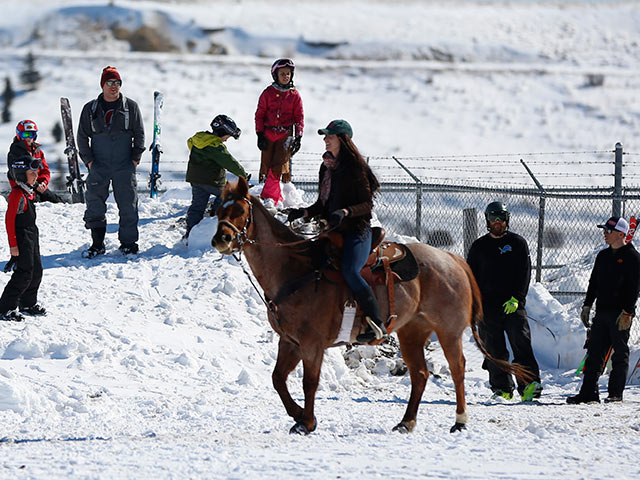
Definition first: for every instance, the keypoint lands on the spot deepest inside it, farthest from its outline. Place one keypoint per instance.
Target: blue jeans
(354, 255)
(199, 198)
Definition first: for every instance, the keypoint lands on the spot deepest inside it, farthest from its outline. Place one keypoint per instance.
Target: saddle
(388, 263)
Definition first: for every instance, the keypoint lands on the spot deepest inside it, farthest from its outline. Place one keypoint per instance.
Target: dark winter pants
(200, 195)
(124, 191)
(604, 334)
(22, 288)
(354, 255)
(516, 327)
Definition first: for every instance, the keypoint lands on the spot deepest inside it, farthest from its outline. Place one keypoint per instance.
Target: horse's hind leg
(412, 341)
(452, 348)
(288, 358)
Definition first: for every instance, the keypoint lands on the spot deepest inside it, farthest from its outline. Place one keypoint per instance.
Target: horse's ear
(243, 187)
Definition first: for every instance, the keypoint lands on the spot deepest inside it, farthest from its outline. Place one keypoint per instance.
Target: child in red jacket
(24, 244)
(279, 125)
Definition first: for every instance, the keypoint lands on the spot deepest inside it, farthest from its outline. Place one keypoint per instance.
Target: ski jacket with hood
(209, 159)
(278, 109)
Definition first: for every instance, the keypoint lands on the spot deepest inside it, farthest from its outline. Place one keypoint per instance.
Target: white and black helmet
(223, 125)
(18, 167)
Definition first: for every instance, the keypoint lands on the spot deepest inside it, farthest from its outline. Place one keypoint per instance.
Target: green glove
(510, 305)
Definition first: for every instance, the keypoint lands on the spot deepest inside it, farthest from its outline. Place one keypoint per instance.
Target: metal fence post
(541, 212)
(469, 228)
(418, 197)
(616, 208)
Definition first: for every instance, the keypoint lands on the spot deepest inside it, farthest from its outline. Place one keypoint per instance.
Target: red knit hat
(109, 73)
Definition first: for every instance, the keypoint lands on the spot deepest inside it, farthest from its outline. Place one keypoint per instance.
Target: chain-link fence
(558, 224)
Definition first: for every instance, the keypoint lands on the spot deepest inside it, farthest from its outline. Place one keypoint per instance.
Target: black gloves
(295, 145)
(262, 142)
(248, 177)
(336, 218)
(294, 214)
(11, 264)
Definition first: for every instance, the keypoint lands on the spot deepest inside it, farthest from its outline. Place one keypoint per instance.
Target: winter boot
(613, 399)
(531, 391)
(36, 310)
(129, 248)
(11, 316)
(586, 395)
(97, 245)
(502, 394)
(375, 329)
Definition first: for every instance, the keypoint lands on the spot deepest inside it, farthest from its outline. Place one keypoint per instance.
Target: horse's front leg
(288, 358)
(312, 364)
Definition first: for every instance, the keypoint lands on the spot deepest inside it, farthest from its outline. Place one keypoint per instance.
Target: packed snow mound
(113, 28)
(434, 31)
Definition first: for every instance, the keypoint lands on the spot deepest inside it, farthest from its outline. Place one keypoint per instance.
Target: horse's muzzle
(223, 243)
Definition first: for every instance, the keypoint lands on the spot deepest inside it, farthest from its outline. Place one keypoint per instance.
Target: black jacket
(350, 188)
(615, 279)
(502, 267)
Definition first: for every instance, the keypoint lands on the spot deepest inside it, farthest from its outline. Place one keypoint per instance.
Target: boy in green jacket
(209, 160)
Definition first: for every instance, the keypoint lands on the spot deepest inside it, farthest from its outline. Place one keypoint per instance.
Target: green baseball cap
(336, 127)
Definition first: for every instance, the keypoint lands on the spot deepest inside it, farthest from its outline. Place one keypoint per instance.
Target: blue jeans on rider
(200, 195)
(357, 247)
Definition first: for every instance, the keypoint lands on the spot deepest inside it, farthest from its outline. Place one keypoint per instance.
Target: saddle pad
(407, 268)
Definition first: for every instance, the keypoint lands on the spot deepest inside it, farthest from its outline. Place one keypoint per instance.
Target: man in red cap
(613, 286)
(110, 143)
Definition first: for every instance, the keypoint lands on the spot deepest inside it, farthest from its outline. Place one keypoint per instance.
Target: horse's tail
(477, 317)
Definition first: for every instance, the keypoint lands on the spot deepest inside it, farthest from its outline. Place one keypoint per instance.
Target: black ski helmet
(280, 63)
(497, 208)
(223, 125)
(19, 166)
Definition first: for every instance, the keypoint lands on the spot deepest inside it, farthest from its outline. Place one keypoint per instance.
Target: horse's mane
(284, 233)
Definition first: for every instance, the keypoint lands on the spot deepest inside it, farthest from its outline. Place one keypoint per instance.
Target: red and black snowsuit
(22, 232)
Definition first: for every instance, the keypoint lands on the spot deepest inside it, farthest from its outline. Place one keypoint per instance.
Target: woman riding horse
(345, 199)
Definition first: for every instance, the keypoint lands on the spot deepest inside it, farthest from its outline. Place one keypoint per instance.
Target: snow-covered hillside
(159, 365)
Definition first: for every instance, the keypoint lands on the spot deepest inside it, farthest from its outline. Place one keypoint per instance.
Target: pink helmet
(282, 62)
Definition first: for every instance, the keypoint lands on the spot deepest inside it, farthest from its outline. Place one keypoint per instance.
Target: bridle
(242, 236)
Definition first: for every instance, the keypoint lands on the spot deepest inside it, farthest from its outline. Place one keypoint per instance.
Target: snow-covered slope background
(160, 365)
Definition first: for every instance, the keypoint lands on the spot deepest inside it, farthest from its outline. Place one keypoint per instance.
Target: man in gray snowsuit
(110, 143)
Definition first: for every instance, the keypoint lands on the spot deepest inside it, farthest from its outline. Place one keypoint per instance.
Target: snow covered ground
(160, 365)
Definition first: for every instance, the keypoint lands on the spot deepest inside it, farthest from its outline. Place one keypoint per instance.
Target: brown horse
(444, 299)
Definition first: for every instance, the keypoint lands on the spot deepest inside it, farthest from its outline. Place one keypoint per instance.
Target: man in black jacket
(502, 267)
(614, 285)
(110, 143)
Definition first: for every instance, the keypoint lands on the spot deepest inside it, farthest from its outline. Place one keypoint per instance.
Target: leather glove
(510, 306)
(624, 320)
(262, 142)
(295, 145)
(336, 218)
(294, 214)
(585, 315)
(11, 264)
(261, 178)
(248, 177)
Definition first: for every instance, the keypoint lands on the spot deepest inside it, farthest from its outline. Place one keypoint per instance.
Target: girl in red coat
(279, 125)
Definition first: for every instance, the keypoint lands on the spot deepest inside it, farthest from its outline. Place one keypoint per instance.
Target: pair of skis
(633, 224)
(75, 182)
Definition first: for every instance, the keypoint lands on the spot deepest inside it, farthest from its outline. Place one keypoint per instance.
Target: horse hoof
(458, 427)
(402, 428)
(301, 429)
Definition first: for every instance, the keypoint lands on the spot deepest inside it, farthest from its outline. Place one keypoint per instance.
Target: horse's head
(234, 218)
